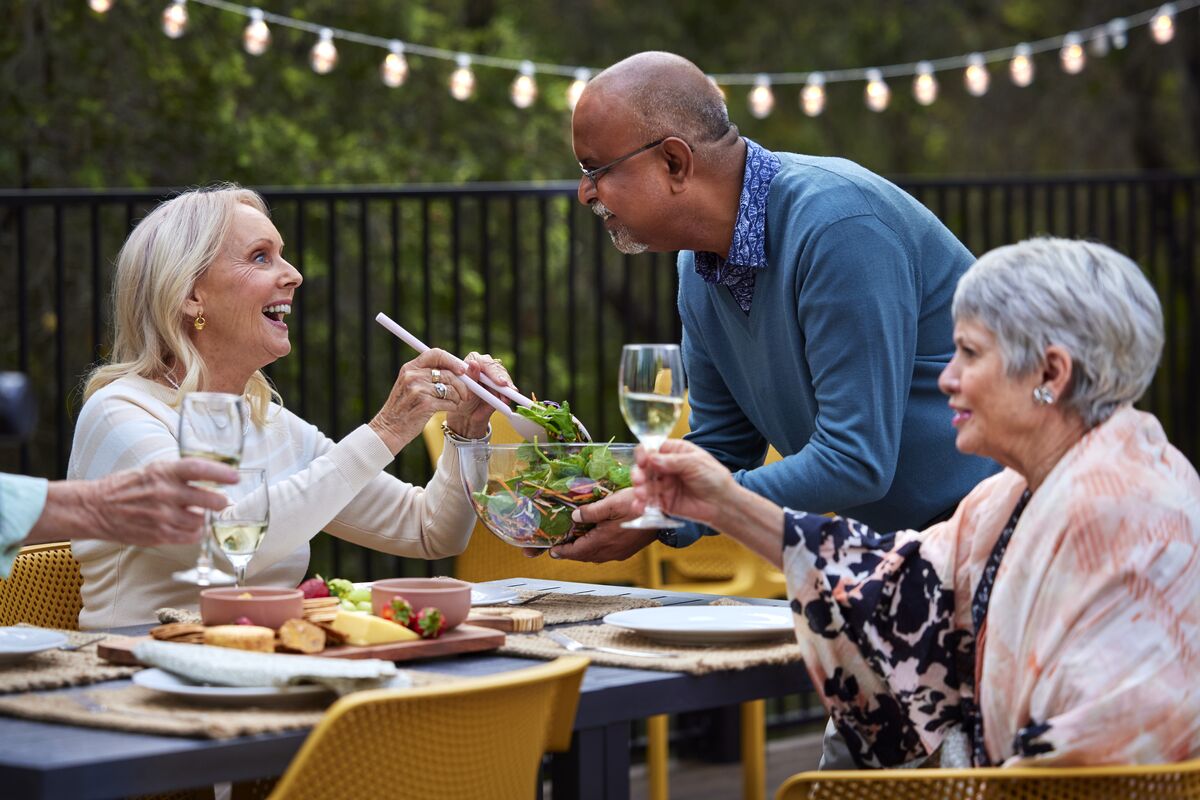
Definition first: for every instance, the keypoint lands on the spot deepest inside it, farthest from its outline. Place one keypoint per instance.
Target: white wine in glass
(651, 389)
(212, 425)
(239, 530)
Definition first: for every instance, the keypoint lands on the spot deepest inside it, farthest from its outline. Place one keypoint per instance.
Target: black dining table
(44, 760)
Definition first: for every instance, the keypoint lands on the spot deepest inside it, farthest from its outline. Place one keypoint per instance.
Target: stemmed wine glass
(212, 426)
(651, 387)
(239, 532)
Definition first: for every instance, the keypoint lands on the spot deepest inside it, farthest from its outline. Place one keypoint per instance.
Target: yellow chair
(487, 558)
(1018, 783)
(468, 739)
(43, 588)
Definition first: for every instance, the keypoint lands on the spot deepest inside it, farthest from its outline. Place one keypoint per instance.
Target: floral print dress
(1061, 627)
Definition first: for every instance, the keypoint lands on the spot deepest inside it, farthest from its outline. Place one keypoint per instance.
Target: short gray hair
(1082, 296)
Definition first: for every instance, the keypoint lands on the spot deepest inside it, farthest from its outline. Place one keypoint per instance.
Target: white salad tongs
(526, 428)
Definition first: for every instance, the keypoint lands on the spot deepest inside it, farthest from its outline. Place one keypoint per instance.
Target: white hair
(158, 265)
(1082, 296)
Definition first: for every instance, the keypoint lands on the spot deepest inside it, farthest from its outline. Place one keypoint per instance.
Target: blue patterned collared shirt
(747, 253)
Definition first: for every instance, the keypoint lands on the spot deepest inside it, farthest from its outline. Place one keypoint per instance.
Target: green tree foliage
(108, 100)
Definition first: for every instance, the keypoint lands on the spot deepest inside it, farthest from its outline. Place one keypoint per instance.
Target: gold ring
(436, 374)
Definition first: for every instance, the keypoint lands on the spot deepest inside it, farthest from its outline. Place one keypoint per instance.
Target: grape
(359, 595)
(363, 605)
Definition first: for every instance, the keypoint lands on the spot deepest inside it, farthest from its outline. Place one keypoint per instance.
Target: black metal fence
(521, 271)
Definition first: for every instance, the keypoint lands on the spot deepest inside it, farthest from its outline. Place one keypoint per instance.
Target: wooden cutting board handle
(509, 620)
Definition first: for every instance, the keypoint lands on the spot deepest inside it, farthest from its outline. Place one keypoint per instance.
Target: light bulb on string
(575, 90)
(100, 6)
(175, 19)
(462, 80)
(394, 69)
(524, 88)
(977, 77)
(1118, 32)
(1072, 56)
(761, 99)
(878, 94)
(925, 85)
(324, 55)
(1162, 25)
(812, 96)
(1021, 67)
(716, 86)
(256, 38)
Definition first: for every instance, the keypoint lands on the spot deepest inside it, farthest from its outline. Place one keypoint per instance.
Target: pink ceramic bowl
(450, 596)
(265, 606)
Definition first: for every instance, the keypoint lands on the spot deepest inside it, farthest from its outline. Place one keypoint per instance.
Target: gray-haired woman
(1055, 619)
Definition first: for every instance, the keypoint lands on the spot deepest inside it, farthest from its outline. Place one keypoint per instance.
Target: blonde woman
(1055, 618)
(200, 297)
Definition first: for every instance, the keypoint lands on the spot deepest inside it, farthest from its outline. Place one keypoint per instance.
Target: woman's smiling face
(992, 409)
(245, 295)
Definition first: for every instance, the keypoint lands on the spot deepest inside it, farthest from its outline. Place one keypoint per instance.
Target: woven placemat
(134, 709)
(695, 660)
(58, 669)
(559, 608)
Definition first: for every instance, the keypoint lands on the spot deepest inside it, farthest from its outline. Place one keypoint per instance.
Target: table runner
(134, 709)
(559, 608)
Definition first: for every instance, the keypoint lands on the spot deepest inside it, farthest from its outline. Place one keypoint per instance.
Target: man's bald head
(666, 94)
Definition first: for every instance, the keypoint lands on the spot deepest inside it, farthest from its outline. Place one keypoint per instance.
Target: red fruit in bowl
(429, 622)
(314, 587)
(243, 621)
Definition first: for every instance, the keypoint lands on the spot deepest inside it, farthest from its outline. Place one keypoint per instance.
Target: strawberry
(429, 623)
(314, 587)
(388, 613)
(402, 612)
(243, 621)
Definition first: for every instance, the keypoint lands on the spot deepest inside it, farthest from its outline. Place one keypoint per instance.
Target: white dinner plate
(20, 642)
(169, 683)
(491, 595)
(706, 624)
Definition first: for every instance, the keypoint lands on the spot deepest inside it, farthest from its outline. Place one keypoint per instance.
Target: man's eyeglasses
(594, 175)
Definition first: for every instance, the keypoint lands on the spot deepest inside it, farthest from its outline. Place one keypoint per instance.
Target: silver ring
(440, 390)
(436, 374)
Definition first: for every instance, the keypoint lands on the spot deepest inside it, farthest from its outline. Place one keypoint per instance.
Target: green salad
(532, 506)
(556, 419)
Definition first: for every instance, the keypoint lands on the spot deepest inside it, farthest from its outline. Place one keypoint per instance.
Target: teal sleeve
(21, 502)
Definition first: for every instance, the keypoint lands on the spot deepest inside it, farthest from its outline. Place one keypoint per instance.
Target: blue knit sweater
(836, 364)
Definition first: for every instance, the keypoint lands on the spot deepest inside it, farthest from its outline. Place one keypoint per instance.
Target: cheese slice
(366, 629)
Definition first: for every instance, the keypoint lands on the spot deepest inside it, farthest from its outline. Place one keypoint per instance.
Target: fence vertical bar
(572, 268)
(426, 272)
(60, 367)
(485, 267)
(364, 316)
(456, 270)
(334, 398)
(598, 266)
(544, 295)
(514, 260)
(97, 294)
(298, 307)
(23, 310)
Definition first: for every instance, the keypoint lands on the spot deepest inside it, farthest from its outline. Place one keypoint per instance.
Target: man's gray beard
(619, 233)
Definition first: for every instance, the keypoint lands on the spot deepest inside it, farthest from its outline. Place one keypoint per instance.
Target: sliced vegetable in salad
(555, 418)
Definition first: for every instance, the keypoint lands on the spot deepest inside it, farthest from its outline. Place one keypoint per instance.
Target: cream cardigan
(315, 484)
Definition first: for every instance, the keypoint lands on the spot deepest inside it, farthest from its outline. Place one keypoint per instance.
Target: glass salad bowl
(525, 493)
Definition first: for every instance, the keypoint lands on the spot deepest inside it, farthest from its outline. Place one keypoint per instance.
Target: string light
(100, 6)
(1162, 27)
(524, 88)
(762, 99)
(1072, 55)
(394, 69)
(1118, 32)
(925, 86)
(877, 92)
(977, 76)
(175, 19)
(575, 90)
(324, 55)
(812, 96)
(1021, 67)
(1098, 40)
(257, 36)
(462, 80)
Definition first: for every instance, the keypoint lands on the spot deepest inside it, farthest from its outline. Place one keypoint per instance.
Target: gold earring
(199, 322)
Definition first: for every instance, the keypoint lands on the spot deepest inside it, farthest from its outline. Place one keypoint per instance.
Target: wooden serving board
(463, 639)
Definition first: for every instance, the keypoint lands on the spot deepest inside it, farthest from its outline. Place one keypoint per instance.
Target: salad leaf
(555, 418)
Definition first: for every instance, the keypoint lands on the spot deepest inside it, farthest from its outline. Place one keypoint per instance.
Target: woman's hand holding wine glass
(651, 387)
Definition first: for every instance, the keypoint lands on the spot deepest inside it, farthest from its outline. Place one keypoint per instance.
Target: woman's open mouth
(275, 314)
(960, 416)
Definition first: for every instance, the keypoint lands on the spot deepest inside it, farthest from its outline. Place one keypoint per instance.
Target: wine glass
(651, 387)
(211, 425)
(239, 529)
